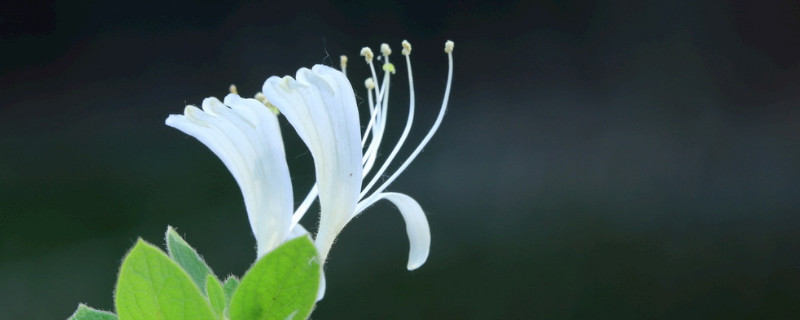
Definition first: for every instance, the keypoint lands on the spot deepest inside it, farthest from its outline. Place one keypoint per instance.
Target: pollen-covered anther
(343, 61)
(385, 50)
(272, 107)
(369, 83)
(261, 97)
(448, 46)
(389, 67)
(366, 52)
(406, 48)
(233, 89)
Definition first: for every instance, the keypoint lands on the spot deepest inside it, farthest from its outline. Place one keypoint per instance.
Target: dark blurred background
(600, 159)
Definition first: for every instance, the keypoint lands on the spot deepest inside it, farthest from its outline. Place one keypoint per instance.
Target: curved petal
(245, 135)
(321, 290)
(321, 106)
(419, 233)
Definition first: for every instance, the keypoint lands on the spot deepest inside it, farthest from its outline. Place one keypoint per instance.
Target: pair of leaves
(151, 285)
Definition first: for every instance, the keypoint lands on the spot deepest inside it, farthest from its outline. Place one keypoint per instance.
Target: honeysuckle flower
(246, 136)
(321, 106)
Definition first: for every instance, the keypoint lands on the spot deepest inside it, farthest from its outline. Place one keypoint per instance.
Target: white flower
(245, 135)
(321, 106)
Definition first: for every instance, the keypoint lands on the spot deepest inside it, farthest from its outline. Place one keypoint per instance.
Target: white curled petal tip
(173, 119)
(205, 128)
(340, 85)
(196, 116)
(247, 109)
(212, 104)
(417, 228)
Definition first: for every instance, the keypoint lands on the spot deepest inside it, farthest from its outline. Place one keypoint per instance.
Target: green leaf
(216, 295)
(282, 285)
(85, 312)
(180, 251)
(229, 287)
(153, 287)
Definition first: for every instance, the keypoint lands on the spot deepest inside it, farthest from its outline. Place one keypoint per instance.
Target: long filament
(403, 136)
(369, 200)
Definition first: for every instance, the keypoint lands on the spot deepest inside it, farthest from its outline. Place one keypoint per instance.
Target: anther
(406, 48)
(385, 50)
(369, 83)
(448, 46)
(388, 67)
(366, 52)
(343, 62)
(232, 89)
(261, 98)
(272, 107)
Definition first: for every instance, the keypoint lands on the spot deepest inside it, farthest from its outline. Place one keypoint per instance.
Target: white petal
(247, 139)
(211, 136)
(419, 233)
(321, 106)
(321, 290)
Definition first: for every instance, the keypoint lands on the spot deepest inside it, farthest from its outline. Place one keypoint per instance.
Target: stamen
(385, 50)
(232, 89)
(363, 204)
(343, 63)
(303, 207)
(406, 130)
(370, 85)
(368, 55)
(406, 48)
(382, 106)
(366, 52)
(263, 99)
(388, 67)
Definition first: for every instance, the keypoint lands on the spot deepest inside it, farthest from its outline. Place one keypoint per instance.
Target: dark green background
(600, 159)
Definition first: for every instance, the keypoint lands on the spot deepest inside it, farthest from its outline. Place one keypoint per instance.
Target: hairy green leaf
(281, 285)
(229, 287)
(153, 287)
(85, 312)
(216, 295)
(188, 258)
